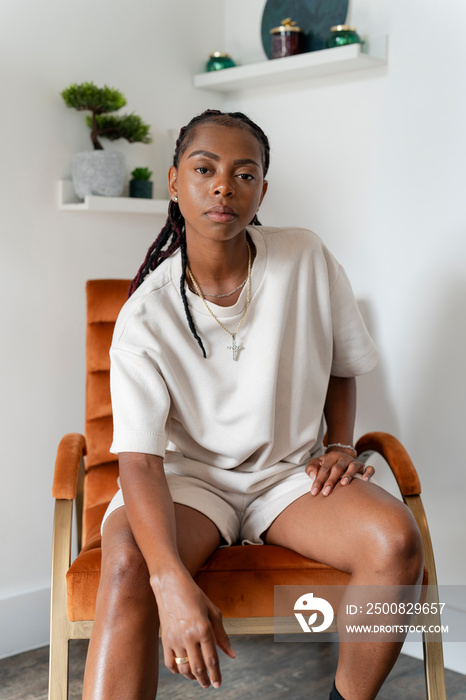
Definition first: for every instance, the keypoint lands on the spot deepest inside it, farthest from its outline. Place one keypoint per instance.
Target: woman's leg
(122, 662)
(361, 529)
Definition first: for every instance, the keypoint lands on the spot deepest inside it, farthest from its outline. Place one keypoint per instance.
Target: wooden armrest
(70, 451)
(396, 457)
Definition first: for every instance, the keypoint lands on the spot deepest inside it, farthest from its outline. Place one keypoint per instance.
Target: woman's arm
(338, 462)
(191, 624)
(150, 511)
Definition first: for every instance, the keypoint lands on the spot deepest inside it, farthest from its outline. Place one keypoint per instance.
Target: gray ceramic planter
(98, 172)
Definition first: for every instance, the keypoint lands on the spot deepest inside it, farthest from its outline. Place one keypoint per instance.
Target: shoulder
(277, 236)
(142, 311)
(300, 247)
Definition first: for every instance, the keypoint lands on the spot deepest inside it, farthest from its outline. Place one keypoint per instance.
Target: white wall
(143, 49)
(373, 162)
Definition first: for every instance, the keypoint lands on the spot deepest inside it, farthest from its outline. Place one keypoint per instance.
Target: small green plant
(141, 174)
(101, 101)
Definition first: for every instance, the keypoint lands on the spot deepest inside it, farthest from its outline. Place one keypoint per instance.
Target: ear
(172, 184)
(265, 186)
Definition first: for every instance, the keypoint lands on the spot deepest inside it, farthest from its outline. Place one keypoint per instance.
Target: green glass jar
(341, 35)
(219, 61)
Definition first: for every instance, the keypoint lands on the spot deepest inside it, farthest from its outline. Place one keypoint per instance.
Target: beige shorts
(238, 517)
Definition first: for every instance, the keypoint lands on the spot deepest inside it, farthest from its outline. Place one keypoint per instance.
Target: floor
(263, 669)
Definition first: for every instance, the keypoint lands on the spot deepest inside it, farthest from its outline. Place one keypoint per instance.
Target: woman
(236, 344)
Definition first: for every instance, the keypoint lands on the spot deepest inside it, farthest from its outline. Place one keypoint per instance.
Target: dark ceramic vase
(140, 188)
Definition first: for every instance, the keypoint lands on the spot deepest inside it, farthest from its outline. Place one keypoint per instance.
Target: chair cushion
(238, 579)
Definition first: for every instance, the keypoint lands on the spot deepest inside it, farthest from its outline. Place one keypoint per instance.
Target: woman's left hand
(325, 471)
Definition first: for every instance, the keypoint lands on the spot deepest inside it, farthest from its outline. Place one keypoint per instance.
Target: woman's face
(219, 181)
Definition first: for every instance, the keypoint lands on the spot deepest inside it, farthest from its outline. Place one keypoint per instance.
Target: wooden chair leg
(59, 623)
(58, 667)
(434, 669)
(431, 641)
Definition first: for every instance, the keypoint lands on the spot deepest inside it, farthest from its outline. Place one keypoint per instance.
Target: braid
(172, 236)
(169, 236)
(184, 265)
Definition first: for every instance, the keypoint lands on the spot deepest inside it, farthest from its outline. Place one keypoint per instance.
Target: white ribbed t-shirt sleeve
(354, 351)
(140, 403)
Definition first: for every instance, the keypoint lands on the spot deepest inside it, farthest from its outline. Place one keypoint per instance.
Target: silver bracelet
(346, 447)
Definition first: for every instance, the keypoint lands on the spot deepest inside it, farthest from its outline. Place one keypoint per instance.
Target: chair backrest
(104, 301)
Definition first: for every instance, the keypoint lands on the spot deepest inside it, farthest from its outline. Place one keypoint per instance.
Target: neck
(220, 267)
(217, 262)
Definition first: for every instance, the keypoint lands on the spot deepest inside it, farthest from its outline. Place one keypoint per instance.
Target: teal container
(341, 35)
(219, 61)
(140, 188)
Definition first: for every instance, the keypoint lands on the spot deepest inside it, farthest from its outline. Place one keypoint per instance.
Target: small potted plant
(139, 185)
(98, 171)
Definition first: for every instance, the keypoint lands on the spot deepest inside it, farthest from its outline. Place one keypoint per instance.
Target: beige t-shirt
(242, 424)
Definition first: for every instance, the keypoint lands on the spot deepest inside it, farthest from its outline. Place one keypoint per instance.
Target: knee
(125, 573)
(398, 549)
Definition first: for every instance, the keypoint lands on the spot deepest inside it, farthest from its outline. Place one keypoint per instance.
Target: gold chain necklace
(234, 346)
(222, 296)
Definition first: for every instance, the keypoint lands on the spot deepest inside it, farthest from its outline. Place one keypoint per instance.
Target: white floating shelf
(315, 64)
(67, 201)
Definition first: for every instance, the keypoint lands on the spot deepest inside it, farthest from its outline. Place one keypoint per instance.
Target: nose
(222, 186)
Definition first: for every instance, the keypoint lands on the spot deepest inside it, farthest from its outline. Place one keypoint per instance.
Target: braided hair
(172, 236)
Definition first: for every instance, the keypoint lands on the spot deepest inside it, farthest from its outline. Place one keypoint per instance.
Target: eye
(202, 170)
(246, 176)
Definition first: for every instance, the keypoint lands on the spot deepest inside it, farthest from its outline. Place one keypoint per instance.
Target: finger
(221, 636)
(209, 653)
(197, 664)
(169, 659)
(330, 484)
(185, 670)
(354, 467)
(344, 466)
(332, 465)
(313, 467)
(368, 472)
(320, 478)
(172, 665)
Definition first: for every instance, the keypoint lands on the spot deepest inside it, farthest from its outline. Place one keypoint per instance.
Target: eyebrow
(214, 156)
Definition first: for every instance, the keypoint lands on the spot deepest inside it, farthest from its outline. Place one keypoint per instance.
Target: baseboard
(24, 621)
(454, 653)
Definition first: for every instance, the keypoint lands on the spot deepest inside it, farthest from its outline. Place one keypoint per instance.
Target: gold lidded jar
(287, 39)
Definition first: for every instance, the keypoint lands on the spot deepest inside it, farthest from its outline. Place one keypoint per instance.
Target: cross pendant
(234, 347)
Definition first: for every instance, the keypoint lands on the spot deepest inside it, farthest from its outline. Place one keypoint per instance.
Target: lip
(221, 214)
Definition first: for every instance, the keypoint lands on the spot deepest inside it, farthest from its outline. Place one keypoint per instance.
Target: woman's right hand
(191, 627)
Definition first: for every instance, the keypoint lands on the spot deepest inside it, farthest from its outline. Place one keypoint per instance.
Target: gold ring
(181, 660)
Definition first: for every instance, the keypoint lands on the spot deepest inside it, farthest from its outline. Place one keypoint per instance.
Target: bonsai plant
(140, 186)
(98, 171)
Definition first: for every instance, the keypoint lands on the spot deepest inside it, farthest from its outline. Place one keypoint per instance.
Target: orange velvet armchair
(239, 580)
